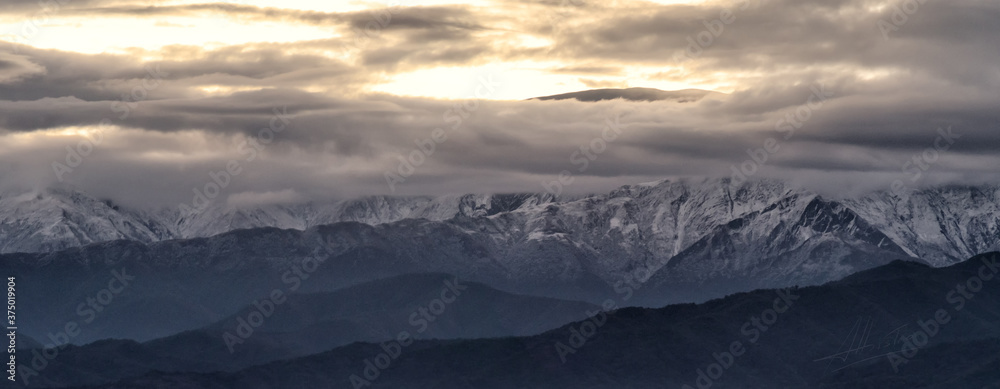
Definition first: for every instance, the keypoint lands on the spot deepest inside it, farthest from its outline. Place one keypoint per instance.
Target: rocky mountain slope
(649, 222)
(649, 245)
(903, 325)
(50, 220)
(302, 324)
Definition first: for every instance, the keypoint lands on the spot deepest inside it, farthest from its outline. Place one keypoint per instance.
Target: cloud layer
(847, 94)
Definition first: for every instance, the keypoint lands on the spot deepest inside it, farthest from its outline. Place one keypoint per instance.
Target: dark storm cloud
(22, 6)
(589, 70)
(50, 73)
(887, 99)
(399, 18)
(346, 146)
(782, 34)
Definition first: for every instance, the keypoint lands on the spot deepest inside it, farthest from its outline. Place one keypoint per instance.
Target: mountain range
(901, 325)
(651, 222)
(634, 94)
(673, 241)
(164, 291)
(304, 324)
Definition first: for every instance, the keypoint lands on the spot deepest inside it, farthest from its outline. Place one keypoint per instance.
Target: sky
(150, 102)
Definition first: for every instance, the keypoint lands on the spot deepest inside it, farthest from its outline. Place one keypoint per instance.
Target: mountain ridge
(659, 243)
(938, 224)
(674, 345)
(633, 94)
(305, 324)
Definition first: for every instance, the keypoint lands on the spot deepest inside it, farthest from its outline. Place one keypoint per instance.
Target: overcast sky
(345, 89)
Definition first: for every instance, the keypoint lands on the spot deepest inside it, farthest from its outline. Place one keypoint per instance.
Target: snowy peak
(643, 226)
(942, 225)
(683, 239)
(56, 219)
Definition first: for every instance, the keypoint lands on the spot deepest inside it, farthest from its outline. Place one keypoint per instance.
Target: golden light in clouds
(673, 2)
(64, 132)
(224, 90)
(227, 64)
(116, 35)
(516, 82)
(95, 32)
(519, 80)
(339, 5)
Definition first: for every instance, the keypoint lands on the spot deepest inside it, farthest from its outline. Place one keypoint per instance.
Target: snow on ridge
(942, 224)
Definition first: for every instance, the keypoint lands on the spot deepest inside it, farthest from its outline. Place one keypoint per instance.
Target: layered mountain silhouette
(634, 94)
(901, 325)
(423, 306)
(941, 225)
(665, 242)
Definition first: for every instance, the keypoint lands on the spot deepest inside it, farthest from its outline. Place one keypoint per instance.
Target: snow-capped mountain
(677, 240)
(57, 219)
(699, 226)
(54, 219)
(941, 225)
